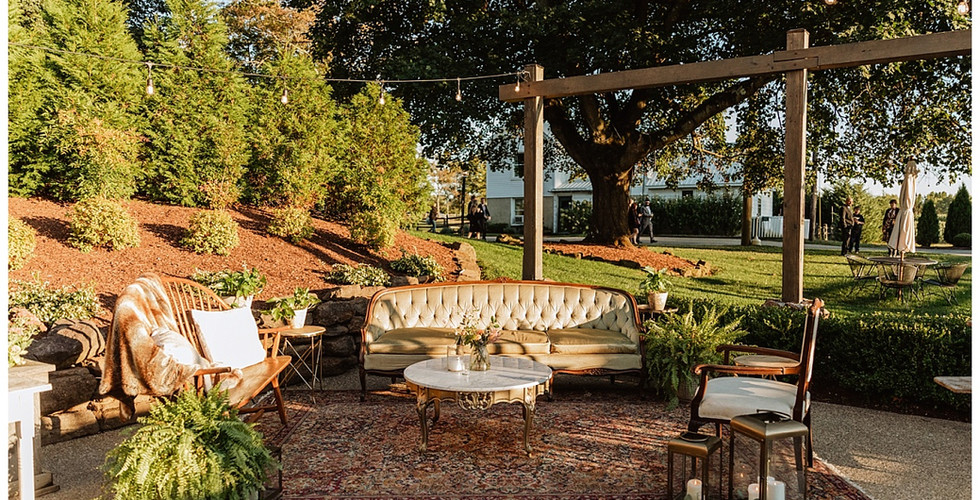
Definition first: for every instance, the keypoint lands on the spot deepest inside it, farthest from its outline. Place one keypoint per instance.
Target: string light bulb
(459, 92)
(149, 78)
(381, 95)
(830, 2)
(285, 96)
(963, 8)
(517, 88)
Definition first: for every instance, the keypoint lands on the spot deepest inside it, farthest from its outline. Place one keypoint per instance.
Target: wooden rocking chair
(186, 295)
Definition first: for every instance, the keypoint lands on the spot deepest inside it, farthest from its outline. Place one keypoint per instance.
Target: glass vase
(479, 359)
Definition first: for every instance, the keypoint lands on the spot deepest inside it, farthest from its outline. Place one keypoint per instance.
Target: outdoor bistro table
(509, 380)
(912, 261)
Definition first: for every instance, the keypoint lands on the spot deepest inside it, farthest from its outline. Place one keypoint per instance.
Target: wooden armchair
(719, 399)
(186, 295)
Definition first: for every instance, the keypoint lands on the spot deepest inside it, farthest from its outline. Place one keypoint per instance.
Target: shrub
(50, 305)
(373, 229)
(192, 447)
(714, 215)
(417, 265)
(962, 240)
(292, 223)
(100, 222)
(211, 231)
(232, 283)
(21, 239)
(489, 271)
(575, 219)
(958, 219)
(20, 334)
(927, 227)
(362, 274)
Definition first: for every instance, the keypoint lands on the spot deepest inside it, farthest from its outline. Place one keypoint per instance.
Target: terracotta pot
(657, 300)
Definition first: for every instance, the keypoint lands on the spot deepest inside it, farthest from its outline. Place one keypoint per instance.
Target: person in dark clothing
(482, 217)
(471, 216)
(846, 223)
(888, 224)
(856, 230)
(633, 221)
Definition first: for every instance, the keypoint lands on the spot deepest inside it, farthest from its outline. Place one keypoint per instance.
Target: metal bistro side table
(310, 359)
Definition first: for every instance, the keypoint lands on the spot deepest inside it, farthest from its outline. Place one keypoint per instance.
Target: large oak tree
(863, 121)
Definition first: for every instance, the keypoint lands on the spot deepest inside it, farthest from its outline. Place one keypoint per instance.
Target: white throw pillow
(177, 347)
(231, 338)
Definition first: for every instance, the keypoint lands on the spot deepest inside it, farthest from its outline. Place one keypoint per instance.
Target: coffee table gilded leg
(528, 404)
(422, 407)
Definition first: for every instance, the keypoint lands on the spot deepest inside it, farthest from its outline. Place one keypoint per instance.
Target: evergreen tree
(73, 128)
(927, 227)
(196, 148)
(381, 183)
(958, 220)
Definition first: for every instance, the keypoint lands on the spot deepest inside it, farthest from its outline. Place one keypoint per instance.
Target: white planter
(657, 300)
(299, 318)
(236, 302)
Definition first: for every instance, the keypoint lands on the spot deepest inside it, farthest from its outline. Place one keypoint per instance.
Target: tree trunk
(610, 204)
(746, 219)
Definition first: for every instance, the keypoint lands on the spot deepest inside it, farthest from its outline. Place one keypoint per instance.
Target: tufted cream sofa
(572, 328)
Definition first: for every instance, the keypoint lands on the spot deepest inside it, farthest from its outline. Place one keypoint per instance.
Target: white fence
(772, 227)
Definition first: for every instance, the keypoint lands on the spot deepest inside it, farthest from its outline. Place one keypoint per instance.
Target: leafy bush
(927, 227)
(284, 308)
(362, 274)
(292, 223)
(962, 240)
(575, 219)
(714, 215)
(959, 217)
(20, 334)
(417, 265)
(50, 305)
(682, 341)
(211, 231)
(192, 447)
(20, 238)
(489, 271)
(100, 222)
(373, 229)
(232, 283)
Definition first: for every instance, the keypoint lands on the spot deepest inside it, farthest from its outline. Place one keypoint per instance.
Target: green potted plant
(294, 308)
(191, 447)
(679, 342)
(655, 284)
(237, 288)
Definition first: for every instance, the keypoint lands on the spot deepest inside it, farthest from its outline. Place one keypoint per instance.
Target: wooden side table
(647, 312)
(310, 359)
(959, 385)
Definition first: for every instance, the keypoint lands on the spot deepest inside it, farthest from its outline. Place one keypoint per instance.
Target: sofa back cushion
(517, 305)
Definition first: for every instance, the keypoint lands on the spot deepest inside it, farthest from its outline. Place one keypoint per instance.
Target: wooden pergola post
(533, 269)
(794, 172)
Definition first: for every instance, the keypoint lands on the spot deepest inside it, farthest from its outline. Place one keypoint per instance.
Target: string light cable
(150, 65)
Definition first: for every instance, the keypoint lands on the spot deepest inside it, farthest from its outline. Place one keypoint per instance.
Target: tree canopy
(862, 121)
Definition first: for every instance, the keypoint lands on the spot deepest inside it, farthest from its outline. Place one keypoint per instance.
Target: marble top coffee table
(509, 380)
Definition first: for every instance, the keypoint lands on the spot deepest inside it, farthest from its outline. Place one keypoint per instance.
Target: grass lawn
(743, 276)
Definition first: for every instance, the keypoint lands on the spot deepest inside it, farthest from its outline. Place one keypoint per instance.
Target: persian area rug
(586, 446)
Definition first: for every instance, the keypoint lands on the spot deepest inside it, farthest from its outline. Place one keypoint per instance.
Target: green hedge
(714, 215)
(886, 356)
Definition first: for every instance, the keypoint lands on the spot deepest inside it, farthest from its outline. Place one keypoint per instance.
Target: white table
(509, 380)
(24, 385)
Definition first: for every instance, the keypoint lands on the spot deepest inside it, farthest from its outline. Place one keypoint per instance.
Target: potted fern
(191, 447)
(236, 288)
(293, 309)
(655, 285)
(678, 343)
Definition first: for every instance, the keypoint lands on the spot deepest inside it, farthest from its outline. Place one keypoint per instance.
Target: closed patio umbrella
(903, 236)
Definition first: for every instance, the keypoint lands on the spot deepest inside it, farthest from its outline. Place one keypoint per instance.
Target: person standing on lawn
(471, 215)
(856, 230)
(646, 222)
(846, 224)
(482, 217)
(633, 221)
(888, 224)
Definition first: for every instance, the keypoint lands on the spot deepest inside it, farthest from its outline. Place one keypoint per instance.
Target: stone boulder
(67, 343)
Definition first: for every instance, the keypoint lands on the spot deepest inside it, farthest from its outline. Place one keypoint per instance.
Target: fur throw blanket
(134, 365)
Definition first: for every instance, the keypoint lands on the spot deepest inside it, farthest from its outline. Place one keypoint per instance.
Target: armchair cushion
(590, 341)
(727, 397)
(230, 338)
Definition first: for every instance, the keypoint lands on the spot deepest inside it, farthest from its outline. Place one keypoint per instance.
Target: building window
(519, 165)
(687, 193)
(518, 212)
